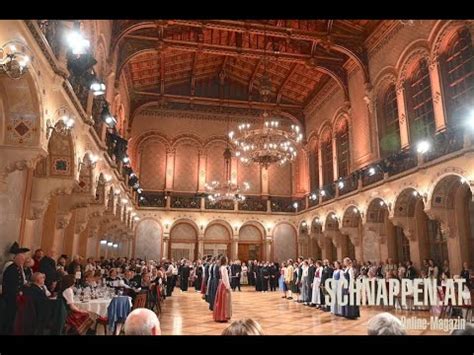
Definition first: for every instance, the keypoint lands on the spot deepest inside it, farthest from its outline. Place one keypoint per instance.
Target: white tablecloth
(98, 306)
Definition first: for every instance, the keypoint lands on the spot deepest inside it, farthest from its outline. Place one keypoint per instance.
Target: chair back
(140, 301)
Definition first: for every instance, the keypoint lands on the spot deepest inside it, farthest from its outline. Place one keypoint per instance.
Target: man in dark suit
(47, 266)
(326, 274)
(235, 270)
(12, 285)
(309, 281)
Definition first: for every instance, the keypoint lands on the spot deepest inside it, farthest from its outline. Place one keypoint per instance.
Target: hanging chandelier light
(228, 190)
(273, 142)
(13, 61)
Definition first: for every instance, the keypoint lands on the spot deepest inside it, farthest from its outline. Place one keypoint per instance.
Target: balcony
(253, 204)
(185, 201)
(329, 192)
(372, 174)
(400, 162)
(219, 205)
(282, 205)
(348, 184)
(445, 142)
(152, 199)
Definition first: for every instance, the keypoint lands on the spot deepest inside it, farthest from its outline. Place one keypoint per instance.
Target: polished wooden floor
(185, 313)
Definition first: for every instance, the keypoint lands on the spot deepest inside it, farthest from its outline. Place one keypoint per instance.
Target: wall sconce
(117, 192)
(202, 227)
(167, 225)
(236, 228)
(109, 244)
(103, 242)
(124, 201)
(97, 88)
(136, 218)
(134, 214)
(89, 161)
(63, 126)
(115, 245)
(13, 62)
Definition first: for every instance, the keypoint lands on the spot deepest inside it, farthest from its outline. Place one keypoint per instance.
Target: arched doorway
(250, 243)
(183, 240)
(148, 238)
(284, 242)
(217, 239)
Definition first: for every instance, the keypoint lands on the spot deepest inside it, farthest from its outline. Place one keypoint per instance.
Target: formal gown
(315, 294)
(214, 282)
(349, 311)
(223, 306)
(244, 278)
(336, 304)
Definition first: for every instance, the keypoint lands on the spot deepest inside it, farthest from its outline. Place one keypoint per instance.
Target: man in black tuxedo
(235, 270)
(273, 276)
(309, 281)
(325, 274)
(251, 273)
(184, 276)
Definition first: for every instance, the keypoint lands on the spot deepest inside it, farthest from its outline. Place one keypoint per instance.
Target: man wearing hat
(12, 285)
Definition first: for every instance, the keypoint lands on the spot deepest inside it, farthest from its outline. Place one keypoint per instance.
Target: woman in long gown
(244, 280)
(281, 280)
(304, 283)
(349, 311)
(316, 294)
(223, 306)
(336, 305)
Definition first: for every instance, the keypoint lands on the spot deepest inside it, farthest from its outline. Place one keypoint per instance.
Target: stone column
(235, 247)
(320, 165)
(170, 156)
(200, 245)
(402, 116)
(202, 171)
(334, 158)
(437, 94)
(268, 248)
(166, 241)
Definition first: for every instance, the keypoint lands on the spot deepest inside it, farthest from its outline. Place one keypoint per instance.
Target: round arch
(183, 239)
(284, 242)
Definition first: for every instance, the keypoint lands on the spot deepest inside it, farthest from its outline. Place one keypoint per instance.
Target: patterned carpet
(187, 314)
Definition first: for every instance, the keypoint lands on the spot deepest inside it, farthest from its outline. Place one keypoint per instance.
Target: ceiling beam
(216, 101)
(270, 30)
(193, 73)
(279, 92)
(218, 49)
(254, 75)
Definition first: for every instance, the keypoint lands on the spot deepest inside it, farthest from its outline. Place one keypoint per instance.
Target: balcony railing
(400, 162)
(185, 201)
(52, 30)
(219, 205)
(329, 192)
(152, 199)
(444, 143)
(253, 204)
(282, 205)
(349, 183)
(313, 202)
(369, 178)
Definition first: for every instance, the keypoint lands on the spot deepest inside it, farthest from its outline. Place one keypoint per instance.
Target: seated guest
(113, 280)
(61, 266)
(243, 327)
(77, 320)
(90, 266)
(72, 267)
(385, 324)
(47, 266)
(39, 254)
(89, 280)
(142, 321)
(146, 283)
(37, 288)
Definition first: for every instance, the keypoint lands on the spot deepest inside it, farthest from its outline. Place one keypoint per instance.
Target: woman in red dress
(223, 305)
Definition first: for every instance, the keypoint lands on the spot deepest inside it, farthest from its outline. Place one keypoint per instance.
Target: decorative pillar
(264, 174)
(202, 171)
(235, 247)
(320, 165)
(268, 249)
(62, 221)
(402, 116)
(200, 245)
(437, 91)
(170, 156)
(166, 241)
(334, 157)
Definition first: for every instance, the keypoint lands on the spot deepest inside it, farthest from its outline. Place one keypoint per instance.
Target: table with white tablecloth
(97, 306)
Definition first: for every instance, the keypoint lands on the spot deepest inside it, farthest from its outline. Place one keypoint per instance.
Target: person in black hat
(47, 266)
(12, 285)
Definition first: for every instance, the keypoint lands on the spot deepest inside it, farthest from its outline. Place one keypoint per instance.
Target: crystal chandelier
(267, 145)
(227, 190)
(13, 62)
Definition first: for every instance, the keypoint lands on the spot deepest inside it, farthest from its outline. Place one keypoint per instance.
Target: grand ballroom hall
(206, 177)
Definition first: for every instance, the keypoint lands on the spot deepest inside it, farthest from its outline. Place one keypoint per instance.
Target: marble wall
(284, 242)
(148, 240)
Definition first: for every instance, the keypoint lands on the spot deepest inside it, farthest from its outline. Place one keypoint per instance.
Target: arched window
(326, 151)
(342, 147)
(420, 103)
(458, 75)
(389, 126)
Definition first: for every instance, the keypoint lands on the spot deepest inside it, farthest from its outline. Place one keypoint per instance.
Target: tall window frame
(327, 159)
(389, 124)
(343, 149)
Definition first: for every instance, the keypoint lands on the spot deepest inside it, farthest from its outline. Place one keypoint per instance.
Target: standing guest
(432, 270)
(28, 268)
(169, 278)
(466, 275)
(238, 274)
(184, 276)
(12, 284)
(243, 327)
(325, 274)
(91, 265)
(244, 278)
(72, 267)
(274, 273)
(39, 254)
(304, 282)
(265, 277)
(281, 280)
(205, 277)
(349, 311)
(61, 268)
(198, 274)
(296, 279)
(251, 273)
(411, 271)
(316, 299)
(47, 266)
(289, 275)
(336, 302)
(77, 320)
(445, 268)
(214, 282)
(113, 280)
(309, 280)
(223, 304)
